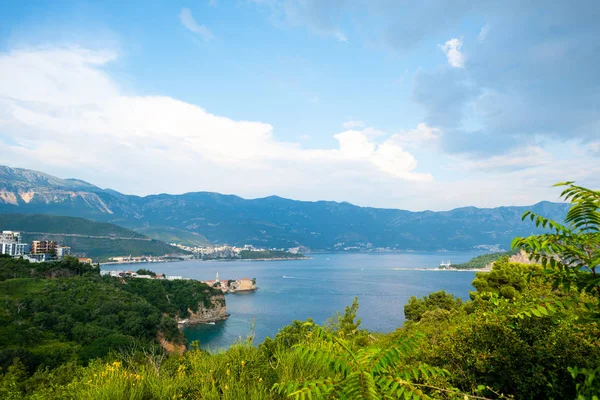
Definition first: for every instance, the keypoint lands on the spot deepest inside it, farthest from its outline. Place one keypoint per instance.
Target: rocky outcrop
(216, 312)
(241, 285)
(522, 258)
(170, 347)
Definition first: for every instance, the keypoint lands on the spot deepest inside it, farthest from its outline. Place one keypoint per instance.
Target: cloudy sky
(433, 104)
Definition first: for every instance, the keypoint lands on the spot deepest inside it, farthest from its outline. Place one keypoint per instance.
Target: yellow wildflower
(243, 363)
(227, 372)
(260, 380)
(226, 387)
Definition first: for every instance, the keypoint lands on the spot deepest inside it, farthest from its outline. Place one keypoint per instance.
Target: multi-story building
(62, 251)
(10, 244)
(43, 246)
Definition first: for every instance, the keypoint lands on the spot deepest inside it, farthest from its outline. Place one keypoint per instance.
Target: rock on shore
(217, 312)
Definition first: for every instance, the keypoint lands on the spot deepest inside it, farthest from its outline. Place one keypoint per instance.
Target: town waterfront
(320, 286)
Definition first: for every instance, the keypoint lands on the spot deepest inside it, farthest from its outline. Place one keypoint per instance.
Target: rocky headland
(216, 312)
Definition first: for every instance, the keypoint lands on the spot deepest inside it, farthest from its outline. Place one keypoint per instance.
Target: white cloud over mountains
(61, 111)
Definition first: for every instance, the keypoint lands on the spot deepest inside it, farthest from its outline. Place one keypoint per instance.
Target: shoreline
(200, 260)
(438, 269)
(275, 259)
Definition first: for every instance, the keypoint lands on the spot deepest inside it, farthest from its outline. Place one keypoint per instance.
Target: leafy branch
(569, 253)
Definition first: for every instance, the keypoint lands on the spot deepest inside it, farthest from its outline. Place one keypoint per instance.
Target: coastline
(200, 260)
(275, 259)
(438, 269)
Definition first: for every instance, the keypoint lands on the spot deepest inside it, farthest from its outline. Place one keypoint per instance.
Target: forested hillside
(170, 234)
(97, 240)
(59, 313)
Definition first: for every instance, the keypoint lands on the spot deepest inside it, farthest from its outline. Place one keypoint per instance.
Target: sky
(432, 105)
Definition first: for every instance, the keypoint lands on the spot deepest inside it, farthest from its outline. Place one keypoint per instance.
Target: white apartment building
(63, 251)
(10, 244)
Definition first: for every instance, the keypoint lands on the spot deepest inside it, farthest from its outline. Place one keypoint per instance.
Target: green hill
(169, 234)
(69, 313)
(97, 240)
(483, 260)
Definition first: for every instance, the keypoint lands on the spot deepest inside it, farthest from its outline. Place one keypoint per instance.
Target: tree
(143, 271)
(505, 279)
(416, 308)
(570, 254)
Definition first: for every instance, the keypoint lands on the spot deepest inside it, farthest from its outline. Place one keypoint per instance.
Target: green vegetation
(143, 271)
(528, 331)
(169, 234)
(483, 260)
(67, 225)
(432, 306)
(97, 240)
(268, 254)
(59, 313)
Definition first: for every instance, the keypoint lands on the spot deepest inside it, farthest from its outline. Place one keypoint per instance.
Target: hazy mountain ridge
(271, 221)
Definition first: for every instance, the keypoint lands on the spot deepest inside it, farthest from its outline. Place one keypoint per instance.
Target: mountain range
(271, 221)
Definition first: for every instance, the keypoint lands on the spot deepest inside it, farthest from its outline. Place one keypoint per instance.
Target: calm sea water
(319, 287)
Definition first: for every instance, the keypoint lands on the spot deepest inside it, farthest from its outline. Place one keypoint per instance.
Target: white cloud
(421, 136)
(484, 32)
(526, 157)
(353, 124)
(315, 99)
(187, 20)
(452, 50)
(340, 37)
(59, 110)
(62, 113)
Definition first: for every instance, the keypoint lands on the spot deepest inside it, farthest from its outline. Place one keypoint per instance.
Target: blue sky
(418, 105)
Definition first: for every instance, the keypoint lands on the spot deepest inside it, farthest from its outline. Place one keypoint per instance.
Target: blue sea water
(320, 286)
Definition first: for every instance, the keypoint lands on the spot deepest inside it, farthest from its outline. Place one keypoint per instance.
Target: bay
(318, 287)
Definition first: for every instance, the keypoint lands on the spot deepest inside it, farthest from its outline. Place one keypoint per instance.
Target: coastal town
(217, 252)
(12, 244)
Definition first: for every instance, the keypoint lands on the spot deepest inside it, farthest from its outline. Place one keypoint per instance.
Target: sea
(317, 288)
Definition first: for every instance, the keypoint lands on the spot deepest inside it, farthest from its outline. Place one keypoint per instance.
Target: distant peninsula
(481, 263)
(265, 255)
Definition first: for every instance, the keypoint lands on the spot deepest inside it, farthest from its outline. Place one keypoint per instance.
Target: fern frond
(360, 385)
(316, 388)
